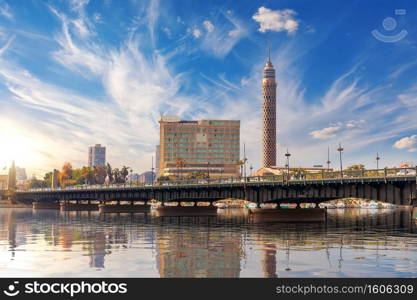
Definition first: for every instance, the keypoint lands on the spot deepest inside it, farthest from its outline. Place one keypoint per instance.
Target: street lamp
(152, 170)
(340, 149)
(208, 170)
(287, 155)
(328, 162)
(251, 169)
(377, 162)
(244, 160)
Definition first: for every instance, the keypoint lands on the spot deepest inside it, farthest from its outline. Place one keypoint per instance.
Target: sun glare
(18, 147)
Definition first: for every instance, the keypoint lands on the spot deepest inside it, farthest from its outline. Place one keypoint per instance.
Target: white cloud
(5, 10)
(179, 20)
(325, 133)
(276, 20)
(197, 33)
(97, 18)
(409, 143)
(167, 31)
(208, 25)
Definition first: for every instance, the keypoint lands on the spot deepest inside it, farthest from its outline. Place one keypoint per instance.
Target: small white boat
(340, 205)
(373, 204)
(251, 205)
(221, 205)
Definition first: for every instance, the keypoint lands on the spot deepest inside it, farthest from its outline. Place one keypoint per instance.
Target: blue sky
(76, 73)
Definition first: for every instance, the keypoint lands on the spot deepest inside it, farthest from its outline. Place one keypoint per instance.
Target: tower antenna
(269, 49)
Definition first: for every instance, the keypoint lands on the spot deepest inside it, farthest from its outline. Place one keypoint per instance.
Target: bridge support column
(46, 205)
(67, 206)
(121, 208)
(260, 215)
(178, 211)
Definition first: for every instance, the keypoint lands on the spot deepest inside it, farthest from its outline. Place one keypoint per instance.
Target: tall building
(269, 113)
(146, 177)
(21, 174)
(11, 184)
(209, 148)
(96, 156)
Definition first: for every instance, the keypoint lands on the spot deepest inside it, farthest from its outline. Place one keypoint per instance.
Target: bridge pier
(259, 215)
(67, 206)
(178, 211)
(46, 205)
(121, 208)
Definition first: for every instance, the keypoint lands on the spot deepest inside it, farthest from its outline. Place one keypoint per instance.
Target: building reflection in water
(200, 252)
(212, 246)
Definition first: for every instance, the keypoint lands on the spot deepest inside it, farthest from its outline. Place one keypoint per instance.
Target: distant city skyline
(74, 72)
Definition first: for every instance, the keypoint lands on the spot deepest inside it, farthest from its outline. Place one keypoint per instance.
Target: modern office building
(146, 177)
(269, 116)
(209, 148)
(96, 156)
(21, 175)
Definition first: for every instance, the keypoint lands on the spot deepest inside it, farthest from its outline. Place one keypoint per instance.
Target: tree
(123, 174)
(65, 176)
(99, 174)
(359, 167)
(164, 178)
(47, 178)
(37, 183)
(196, 175)
(109, 172)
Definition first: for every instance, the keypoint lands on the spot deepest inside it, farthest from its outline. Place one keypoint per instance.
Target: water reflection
(353, 242)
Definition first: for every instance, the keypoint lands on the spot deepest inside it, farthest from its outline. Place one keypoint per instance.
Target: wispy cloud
(4, 48)
(5, 10)
(223, 35)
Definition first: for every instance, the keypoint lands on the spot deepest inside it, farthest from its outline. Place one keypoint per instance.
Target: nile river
(352, 243)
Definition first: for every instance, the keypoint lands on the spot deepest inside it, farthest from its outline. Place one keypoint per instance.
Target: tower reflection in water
(223, 246)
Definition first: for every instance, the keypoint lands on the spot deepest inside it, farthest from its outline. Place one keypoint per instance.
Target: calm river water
(353, 243)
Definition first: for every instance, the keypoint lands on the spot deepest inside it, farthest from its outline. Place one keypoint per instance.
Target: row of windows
(190, 131)
(211, 160)
(200, 145)
(212, 150)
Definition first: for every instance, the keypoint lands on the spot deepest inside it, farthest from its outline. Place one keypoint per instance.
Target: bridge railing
(285, 177)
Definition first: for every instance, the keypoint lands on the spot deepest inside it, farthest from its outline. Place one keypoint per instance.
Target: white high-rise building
(96, 156)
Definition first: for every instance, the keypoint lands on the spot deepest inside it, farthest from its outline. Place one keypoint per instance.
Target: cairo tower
(269, 110)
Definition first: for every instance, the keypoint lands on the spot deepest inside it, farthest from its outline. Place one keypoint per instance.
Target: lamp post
(251, 170)
(244, 160)
(328, 162)
(377, 162)
(340, 149)
(152, 169)
(208, 170)
(287, 155)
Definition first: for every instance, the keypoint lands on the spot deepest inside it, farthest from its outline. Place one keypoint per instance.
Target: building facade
(146, 177)
(269, 115)
(207, 148)
(96, 156)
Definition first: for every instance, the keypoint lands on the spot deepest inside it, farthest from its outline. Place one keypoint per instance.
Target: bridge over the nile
(399, 190)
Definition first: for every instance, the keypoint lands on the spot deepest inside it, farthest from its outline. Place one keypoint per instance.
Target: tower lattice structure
(269, 116)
